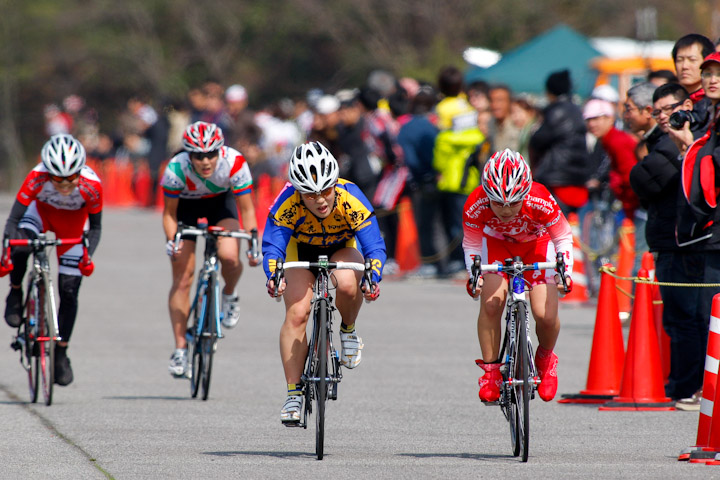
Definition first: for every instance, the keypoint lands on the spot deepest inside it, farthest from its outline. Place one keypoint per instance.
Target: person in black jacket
(656, 180)
(558, 152)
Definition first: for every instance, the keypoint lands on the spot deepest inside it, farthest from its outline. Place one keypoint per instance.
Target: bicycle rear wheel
(28, 334)
(209, 335)
(522, 385)
(322, 384)
(46, 337)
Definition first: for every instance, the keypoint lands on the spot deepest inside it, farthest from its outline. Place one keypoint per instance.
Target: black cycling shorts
(215, 209)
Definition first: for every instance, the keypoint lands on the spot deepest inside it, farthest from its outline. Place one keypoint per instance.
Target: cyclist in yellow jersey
(319, 214)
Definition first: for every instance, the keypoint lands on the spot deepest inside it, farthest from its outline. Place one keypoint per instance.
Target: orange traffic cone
(608, 352)
(706, 426)
(580, 280)
(407, 250)
(626, 260)
(642, 383)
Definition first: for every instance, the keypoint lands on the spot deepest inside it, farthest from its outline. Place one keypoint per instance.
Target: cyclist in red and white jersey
(63, 195)
(508, 216)
(206, 180)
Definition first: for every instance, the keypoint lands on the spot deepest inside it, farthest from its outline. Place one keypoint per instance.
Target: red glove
(478, 288)
(86, 267)
(6, 265)
(5, 268)
(375, 289)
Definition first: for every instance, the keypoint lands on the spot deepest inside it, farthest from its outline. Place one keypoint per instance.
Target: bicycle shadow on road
(262, 454)
(470, 456)
(147, 397)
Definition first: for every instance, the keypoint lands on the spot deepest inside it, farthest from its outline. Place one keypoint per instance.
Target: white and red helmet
(203, 137)
(63, 155)
(506, 177)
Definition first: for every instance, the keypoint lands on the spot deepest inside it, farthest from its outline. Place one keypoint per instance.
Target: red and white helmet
(203, 137)
(506, 177)
(63, 155)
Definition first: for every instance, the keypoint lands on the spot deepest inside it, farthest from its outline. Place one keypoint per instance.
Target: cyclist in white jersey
(213, 181)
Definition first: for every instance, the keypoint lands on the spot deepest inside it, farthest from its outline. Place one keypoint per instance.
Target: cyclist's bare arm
(170, 224)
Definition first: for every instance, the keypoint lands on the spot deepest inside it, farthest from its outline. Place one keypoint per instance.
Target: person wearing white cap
(620, 146)
(325, 121)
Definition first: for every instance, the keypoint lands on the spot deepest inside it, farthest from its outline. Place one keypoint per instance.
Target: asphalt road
(409, 411)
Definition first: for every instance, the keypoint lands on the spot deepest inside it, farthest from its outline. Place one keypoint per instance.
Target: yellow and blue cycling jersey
(352, 222)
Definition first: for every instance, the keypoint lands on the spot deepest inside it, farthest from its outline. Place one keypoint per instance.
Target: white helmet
(506, 177)
(312, 168)
(63, 155)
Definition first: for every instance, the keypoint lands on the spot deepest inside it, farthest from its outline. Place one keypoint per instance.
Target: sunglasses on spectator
(325, 193)
(69, 178)
(667, 109)
(201, 155)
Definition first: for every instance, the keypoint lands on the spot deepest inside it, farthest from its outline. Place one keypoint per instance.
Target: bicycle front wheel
(46, 337)
(29, 333)
(321, 385)
(522, 386)
(209, 335)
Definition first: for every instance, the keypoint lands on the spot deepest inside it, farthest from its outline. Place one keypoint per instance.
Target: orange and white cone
(579, 292)
(709, 392)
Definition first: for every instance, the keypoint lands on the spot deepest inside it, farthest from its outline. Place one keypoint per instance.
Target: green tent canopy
(525, 68)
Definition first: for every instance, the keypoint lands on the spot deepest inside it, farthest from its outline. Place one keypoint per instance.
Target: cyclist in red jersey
(508, 216)
(63, 195)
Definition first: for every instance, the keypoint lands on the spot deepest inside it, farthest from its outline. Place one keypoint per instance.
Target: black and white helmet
(63, 155)
(312, 168)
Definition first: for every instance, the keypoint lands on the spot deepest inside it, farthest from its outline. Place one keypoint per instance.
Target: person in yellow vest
(454, 159)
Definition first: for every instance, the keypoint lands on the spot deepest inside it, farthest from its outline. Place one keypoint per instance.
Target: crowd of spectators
(429, 140)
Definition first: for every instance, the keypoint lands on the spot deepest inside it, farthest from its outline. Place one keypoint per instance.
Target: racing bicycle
(38, 332)
(205, 311)
(520, 379)
(322, 372)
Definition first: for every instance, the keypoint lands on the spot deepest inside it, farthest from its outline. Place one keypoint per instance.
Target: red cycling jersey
(37, 186)
(539, 220)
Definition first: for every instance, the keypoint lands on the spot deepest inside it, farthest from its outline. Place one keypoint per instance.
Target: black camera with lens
(678, 119)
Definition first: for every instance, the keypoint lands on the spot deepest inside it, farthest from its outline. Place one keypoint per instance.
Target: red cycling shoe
(547, 363)
(491, 382)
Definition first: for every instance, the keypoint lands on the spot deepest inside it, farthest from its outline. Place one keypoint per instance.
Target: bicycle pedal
(16, 345)
(292, 424)
(491, 404)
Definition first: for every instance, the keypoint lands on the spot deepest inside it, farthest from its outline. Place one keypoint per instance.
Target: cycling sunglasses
(202, 155)
(69, 178)
(325, 193)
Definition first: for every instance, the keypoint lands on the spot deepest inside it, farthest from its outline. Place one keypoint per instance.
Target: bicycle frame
(321, 377)
(38, 332)
(520, 380)
(206, 328)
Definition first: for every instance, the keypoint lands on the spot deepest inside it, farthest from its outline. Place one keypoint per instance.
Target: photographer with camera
(698, 229)
(656, 180)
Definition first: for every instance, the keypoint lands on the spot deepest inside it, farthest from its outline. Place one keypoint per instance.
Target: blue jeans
(686, 315)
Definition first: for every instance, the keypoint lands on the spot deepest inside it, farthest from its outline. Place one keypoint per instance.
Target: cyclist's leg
(492, 299)
(30, 225)
(348, 300)
(183, 270)
(544, 305)
(293, 336)
(229, 256)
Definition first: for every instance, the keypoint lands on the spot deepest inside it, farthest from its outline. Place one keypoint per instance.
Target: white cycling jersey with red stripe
(231, 173)
(539, 217)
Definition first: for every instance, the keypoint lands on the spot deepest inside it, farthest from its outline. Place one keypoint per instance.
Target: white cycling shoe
(179, 363)
(351, 349)
(231, 310)
(290, 412)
